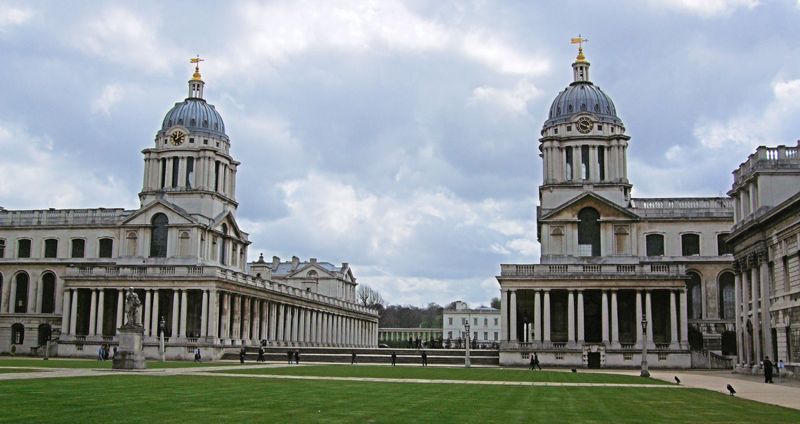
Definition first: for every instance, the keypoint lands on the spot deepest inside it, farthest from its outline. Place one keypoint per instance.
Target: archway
(589, 232)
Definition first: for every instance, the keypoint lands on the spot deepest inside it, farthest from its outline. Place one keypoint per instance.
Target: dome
(582, 97)
(196, 115)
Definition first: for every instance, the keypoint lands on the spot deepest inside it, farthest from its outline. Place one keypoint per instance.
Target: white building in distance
(484, 323)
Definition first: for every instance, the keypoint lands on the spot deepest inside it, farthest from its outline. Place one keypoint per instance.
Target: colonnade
(403, 334)
(227, 318)
(539, 330)
(753, 331)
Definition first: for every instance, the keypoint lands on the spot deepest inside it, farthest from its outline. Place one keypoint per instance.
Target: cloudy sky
(398, 136)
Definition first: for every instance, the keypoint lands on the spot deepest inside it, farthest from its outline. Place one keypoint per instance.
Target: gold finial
(579, 41)
(196, 61)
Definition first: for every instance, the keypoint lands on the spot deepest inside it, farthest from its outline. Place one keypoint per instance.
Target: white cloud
(107, 99)
(501, 57)
(122, 36)
(707, 8)
(11, 16)
(58, 180)
(515, 99)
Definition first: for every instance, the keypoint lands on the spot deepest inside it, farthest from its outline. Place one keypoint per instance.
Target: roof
(286, 268)
(196, 115)
(582, 97)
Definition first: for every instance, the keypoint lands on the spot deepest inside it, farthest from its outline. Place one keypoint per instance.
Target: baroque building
(63, 272)
(610, 261)
(766, 248)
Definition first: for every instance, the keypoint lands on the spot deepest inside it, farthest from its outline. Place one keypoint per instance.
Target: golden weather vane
(196, 60)
(579, 40)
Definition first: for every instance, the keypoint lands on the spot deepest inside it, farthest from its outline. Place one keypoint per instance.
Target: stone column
(638, 319)
(92, 313)
(614, 321)
(738, 315)
(120, 309)
(154, 320)
(313, 327)
(580, 318)
(649, 309)
(546, 331)
(280, 325)
(73, 315)
(673, 321)
(148, 309)
(604, 317)
(513, 317)
(537, 317)
(755, 317)
(213, 314)
(204, 314)
(245, 319)
(176, 313)
(746, 340)
(236, 332)
(301, 325)
(295, 323)
(65, 309)
(766, 328)
(571, 318)
(504, 315)
(184, 311)
(273, 321)
(255, 333)
(101, 305)
(684, 321)
(12, 295)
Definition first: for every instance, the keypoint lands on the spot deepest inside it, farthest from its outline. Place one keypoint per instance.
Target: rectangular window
(450, 321)
(191, 140)
(475, 321)
(486, 322)
(655, 244)
(690, 244)
(568, 163)
(601, 162)
(24, 248)
(2, 248)
(449, 334)
(50, 248)
(105, 248)
(495, 321)
(723, 248)
(569, 128)
(163, 173)
(189, 172)
(474, 335)
(485, 335)
(78, 246)
(585, 162)
(495, 336)
(216, 176)
(175, 165)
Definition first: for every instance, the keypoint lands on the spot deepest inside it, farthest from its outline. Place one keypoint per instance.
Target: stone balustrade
(100, 216)
(533, 270)
(768, 158)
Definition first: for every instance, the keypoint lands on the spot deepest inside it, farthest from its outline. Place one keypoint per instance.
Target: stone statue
(132, 305)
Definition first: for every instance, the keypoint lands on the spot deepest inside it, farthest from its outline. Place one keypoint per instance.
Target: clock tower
(190, 165)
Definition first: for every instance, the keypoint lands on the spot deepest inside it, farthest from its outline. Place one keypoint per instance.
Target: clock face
(177, 138)
(584, 125)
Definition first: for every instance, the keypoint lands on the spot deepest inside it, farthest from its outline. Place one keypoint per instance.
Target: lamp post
(466, 355)
(161, 325)
(645, 372)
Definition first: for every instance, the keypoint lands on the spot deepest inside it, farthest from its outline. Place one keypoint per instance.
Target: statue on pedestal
(130, 355)
(132, 305)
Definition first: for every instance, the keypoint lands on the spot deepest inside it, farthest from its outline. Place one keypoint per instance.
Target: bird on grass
(730, 389)
(574, 370)
(677, 380)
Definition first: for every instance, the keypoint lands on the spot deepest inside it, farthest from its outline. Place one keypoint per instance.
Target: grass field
(90, 363)
(438, 373)
(142, 398)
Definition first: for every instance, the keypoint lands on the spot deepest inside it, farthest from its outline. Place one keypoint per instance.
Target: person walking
(536, 361)
(197, 356)
(260, 354)
(768, 365)
(242, 353)
(100, 353)
(394, 358)
(353, 360)
(289, 356)
(424, 358)
(781, 367)
(297, 356)
(115, 353)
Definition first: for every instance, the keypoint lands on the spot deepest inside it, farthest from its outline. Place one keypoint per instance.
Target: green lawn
(439, 373)
(91, 363)
(143, 398)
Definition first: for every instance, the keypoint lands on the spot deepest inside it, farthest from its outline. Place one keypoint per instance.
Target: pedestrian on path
(394, 358)
(781, 367)
(289, 356)
(297, 356)
(260, 354)
(768, 365)
(353, 360)
(536, 361)
(242, 353)
(197, 354)
(424, 358)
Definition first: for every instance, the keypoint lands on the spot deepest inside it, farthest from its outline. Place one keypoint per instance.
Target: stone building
(766, 246)
(484, 323)
(609, 260)
(63, 272)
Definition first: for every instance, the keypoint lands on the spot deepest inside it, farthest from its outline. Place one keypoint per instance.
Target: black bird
(730, 389)
(574, 370)
(677, 380)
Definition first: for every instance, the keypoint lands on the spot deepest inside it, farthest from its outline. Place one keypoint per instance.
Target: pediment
(606, 208)
(229, 220)
(144, 215)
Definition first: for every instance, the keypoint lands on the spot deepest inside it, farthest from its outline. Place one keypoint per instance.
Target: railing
(768, 158)
(62, 216)
(529, 270)
(210, 272)
(683, 203)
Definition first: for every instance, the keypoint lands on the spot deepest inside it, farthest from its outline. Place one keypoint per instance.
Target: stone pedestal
(129, 354)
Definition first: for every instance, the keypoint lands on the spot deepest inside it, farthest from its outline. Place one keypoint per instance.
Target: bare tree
(369, 297)
(495, 303)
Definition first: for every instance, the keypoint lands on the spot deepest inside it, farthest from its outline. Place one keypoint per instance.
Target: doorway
(593, 359)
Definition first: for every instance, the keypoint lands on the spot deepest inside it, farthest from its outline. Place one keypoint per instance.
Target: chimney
(275, 262)
(312, 260)
(295, 262)
(261, 258)
(345, 265)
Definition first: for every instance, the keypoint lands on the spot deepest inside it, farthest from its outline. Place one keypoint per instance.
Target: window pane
(51, 248)
(24, 249)
(78, 248)
(655, 245)
(690, 244)
(106, 246)
(723, 248)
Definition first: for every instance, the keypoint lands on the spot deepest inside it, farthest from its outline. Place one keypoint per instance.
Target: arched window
(655, 244)
(2, 248)
(105, 247)
(158, 236)
(727, 296)
(51, 248)
(223, 246)
(690, 244)
(48, 293)
(21, 293)
(17, 333)
(588, 232)
(695, 297)
(78, 248)
(312, 274)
